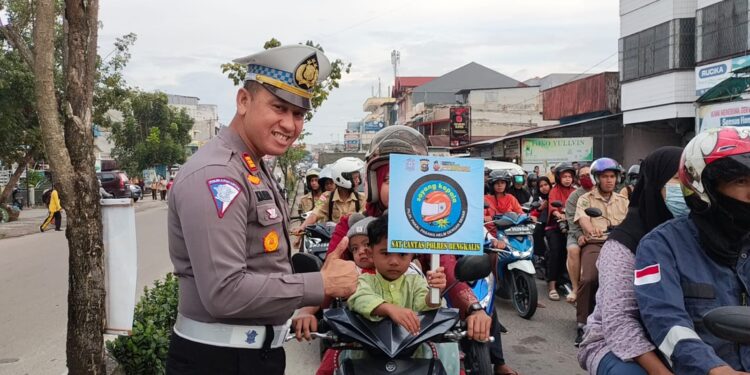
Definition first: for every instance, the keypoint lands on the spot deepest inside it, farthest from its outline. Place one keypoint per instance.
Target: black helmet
(500, 175)
(562, 167)
(532, 177)
(394, 139)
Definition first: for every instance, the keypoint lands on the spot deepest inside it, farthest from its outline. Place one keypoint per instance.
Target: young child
(358, 243)
(391, 292)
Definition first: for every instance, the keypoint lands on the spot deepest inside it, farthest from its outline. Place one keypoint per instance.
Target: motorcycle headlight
(516, 254)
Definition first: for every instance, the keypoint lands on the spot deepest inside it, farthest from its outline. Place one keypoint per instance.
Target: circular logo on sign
(436, 206)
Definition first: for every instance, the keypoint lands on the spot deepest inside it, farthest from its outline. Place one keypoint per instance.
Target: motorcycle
(731, 323)
(388, 346)
(515, 269)
(315, 238)
(594, 213)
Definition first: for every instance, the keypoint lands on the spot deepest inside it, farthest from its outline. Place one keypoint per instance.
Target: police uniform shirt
(229, 240)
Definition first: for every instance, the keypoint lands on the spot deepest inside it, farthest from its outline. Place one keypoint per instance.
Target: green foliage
(145, 351)
(151, 133)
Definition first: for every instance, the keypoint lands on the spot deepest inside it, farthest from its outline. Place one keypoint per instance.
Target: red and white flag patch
(648, 275)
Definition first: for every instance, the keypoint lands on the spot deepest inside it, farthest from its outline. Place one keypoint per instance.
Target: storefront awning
(727, 89)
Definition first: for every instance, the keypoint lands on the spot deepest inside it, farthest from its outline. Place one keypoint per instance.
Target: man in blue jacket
(693, 264)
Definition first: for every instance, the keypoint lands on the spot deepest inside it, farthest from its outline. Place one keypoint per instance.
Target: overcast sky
(181, 44)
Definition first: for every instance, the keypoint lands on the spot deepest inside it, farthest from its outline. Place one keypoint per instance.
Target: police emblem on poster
(435, 205)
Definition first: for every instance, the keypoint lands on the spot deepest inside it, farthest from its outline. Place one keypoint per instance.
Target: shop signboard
(373, 126)
(460, 126)
(351, 142)
(555, 150)
(708, 76)
(724, 114)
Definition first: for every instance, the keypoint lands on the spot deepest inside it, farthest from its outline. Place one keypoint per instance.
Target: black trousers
(496, 348)
(540, 247)
(186, 357)
(557, 254)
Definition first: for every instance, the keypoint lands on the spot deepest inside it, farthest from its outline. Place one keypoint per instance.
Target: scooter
(515, 269)
(731, 323)
(389, 347)
(316, 237)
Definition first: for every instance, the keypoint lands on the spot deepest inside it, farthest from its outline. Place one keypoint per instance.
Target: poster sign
(351, 142)
(512, 148)
(460, 122)
(708, 76)
(724, 114)
(436, 205)
(555, 150)
(374, 126)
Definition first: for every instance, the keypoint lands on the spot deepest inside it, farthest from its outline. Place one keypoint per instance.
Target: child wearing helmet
(695, 263)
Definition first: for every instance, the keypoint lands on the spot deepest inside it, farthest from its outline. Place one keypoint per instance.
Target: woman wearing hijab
(541, 195)
(615, 341)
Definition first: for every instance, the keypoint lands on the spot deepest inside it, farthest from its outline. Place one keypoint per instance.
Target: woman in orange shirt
(499, 202)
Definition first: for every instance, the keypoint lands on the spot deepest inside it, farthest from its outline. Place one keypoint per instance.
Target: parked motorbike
(388, 346)
(515, 269)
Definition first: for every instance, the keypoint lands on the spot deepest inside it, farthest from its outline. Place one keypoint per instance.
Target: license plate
(521, 230)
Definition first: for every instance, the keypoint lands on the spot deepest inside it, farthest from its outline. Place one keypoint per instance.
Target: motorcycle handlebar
(329, 336)
(457, 336)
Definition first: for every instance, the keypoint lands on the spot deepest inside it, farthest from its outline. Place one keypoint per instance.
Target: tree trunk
(14, 178)
(70, 150)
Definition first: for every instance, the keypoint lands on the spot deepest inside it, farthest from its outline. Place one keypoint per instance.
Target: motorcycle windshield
(385, 335)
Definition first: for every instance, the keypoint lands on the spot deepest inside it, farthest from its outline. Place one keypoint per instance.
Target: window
(664, 47)
(722, 30)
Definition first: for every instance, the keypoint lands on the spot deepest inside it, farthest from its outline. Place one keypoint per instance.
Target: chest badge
(272, 213)
(253, 179)
(271, 242)
(249, 163)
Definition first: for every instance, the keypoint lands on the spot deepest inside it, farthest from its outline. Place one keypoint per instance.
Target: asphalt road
(34, 279)
(33, 275)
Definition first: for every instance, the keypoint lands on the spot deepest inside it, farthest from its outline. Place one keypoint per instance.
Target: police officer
(229, 229)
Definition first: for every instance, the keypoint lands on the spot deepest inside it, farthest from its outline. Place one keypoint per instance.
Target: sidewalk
(32, 218)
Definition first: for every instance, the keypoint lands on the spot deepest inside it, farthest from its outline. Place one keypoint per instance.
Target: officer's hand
(339, 276)
(304, 323)
(297, 231)
(478, 326)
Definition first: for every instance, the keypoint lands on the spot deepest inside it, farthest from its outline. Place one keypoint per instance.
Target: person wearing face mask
(615, 341)
(576, 239)
(695, 263)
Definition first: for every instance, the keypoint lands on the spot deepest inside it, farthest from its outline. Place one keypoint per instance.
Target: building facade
(206, 118)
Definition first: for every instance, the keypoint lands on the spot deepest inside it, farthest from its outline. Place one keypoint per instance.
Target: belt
(230, 335)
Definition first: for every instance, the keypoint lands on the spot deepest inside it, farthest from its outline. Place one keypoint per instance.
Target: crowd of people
(645, 262)
(593, 260)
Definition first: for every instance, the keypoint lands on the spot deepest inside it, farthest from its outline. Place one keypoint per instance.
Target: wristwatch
(474, 307)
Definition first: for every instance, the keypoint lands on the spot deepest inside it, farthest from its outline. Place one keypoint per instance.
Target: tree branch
(18, 43)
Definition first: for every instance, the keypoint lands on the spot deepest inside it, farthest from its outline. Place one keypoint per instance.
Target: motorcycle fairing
(522, 265)
(386, 336)
(377, 366)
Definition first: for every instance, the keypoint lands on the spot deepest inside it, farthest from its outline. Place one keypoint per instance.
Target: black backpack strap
(330, 206)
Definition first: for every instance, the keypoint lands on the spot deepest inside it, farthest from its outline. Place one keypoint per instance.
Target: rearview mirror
(729, 323)
(593, 212)
(306, 263)
(536, 205)
(557, 204)
(474, 267)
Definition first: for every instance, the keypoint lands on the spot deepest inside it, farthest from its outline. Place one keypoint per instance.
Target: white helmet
(342, 170)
